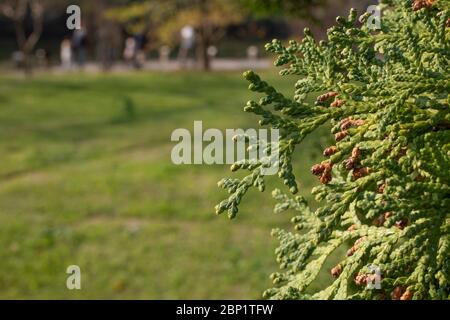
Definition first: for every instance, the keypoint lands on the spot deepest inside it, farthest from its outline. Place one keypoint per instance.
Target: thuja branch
(384, 190)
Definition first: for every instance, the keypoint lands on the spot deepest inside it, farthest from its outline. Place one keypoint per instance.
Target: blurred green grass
(86, 179)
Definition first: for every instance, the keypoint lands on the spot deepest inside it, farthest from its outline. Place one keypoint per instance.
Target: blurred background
(86, 117)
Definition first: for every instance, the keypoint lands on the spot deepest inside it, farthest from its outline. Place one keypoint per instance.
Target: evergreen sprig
(385, 184)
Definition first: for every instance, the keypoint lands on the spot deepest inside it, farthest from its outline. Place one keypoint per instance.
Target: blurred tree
(28, 19)
(165, 20)
(17, 11)
(140, 17)
(293, 8)
(208, 17)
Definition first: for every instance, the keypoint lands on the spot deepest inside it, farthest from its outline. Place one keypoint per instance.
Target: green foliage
(294, 8)
(385, 185)
(208, 17)
(139, 17)
(165, 19)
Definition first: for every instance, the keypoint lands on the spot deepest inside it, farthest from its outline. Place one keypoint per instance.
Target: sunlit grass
(86, 179)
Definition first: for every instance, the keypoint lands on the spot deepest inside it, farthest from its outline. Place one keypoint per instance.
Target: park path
(174, 65)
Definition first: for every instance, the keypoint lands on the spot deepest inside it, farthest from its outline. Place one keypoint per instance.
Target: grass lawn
(86, 179)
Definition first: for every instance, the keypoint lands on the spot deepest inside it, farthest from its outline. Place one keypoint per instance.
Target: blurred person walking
(187, 44)
(79, 38)
(129, 53)
(66, 54)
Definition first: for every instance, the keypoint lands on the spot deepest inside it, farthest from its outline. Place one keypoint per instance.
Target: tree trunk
(203, 54)
(204, 37)
(26, 44)
(27, 63)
